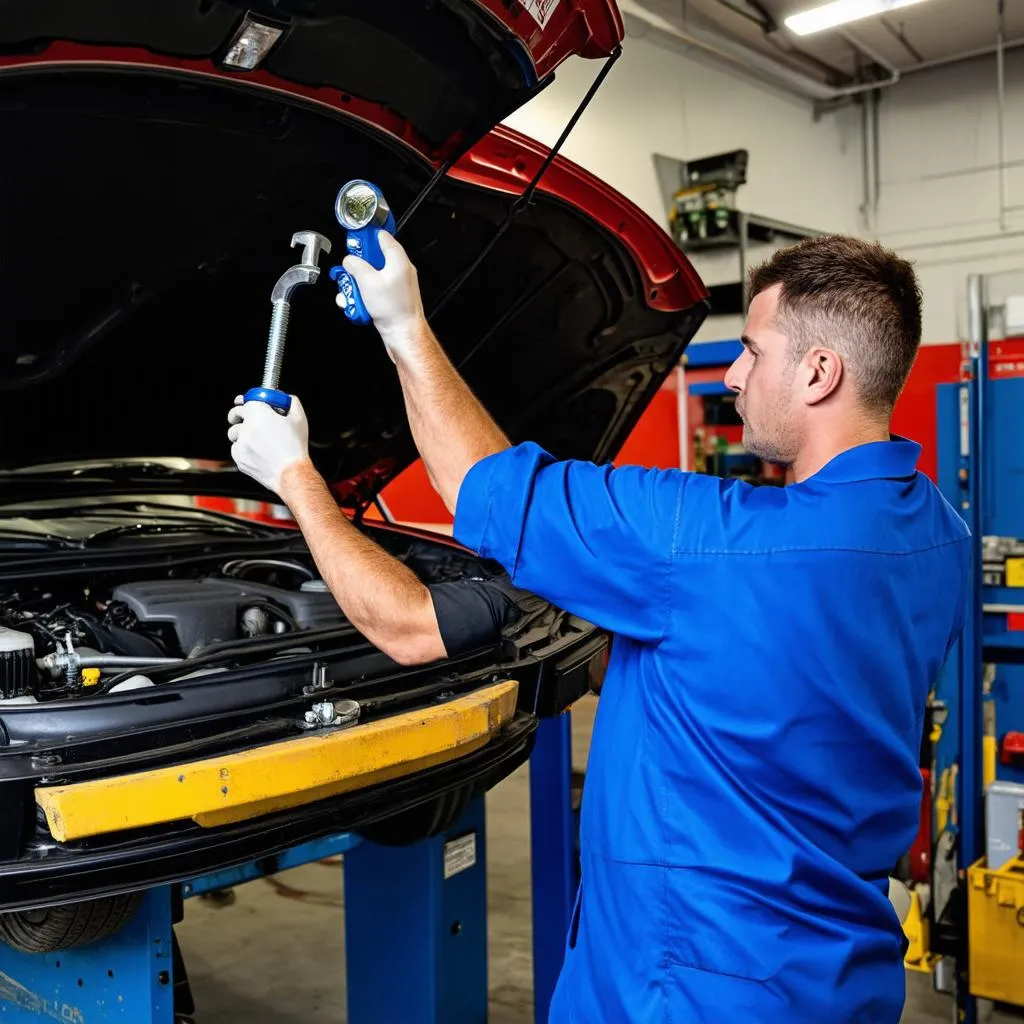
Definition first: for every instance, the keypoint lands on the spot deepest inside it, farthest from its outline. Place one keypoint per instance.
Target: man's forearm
(452, 430)
(379, 595)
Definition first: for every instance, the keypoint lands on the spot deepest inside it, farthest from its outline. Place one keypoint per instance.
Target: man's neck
(817, 453)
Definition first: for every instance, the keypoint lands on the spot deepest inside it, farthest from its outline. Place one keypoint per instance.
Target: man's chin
(764, 452)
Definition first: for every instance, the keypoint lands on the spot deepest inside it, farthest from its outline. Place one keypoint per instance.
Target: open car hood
(152, 196)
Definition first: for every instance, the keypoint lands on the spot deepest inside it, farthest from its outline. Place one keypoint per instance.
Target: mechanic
(753, 774)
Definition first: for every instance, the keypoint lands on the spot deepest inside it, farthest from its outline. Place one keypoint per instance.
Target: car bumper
(278, 776)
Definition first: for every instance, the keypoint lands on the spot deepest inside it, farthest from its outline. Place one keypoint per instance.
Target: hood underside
(149, 215)
(447, 70)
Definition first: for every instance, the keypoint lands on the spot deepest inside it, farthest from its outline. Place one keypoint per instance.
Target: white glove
(391, 296)
(264, 443)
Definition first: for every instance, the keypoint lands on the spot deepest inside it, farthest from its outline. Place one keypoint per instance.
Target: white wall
(938, 146)
(939, 200)
(656, 101)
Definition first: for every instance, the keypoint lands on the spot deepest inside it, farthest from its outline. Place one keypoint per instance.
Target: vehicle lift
(422, 907)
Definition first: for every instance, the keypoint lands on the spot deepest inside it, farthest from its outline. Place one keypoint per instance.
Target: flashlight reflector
(357, 206)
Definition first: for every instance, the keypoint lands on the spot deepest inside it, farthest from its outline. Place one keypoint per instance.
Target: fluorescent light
(841, 12)
(251, 43)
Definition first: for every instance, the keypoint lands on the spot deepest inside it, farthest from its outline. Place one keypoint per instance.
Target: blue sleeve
(594, 540)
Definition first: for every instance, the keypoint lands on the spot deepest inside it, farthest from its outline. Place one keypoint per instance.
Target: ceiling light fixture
(841, 12)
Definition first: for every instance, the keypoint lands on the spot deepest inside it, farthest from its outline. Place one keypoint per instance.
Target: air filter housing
(17, 663)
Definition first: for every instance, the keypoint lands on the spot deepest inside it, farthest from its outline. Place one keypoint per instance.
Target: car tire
(421, 822)
(68, 926)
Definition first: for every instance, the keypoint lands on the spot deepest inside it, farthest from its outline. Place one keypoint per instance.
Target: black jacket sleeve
(472, 613)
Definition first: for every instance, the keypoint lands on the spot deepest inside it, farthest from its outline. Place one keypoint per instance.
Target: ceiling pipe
(868, 205)
(646, 24)
(981, 51)
(873, 55)
(1001, 92)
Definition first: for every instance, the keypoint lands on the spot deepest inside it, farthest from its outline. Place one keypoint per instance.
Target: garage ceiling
(907, 39)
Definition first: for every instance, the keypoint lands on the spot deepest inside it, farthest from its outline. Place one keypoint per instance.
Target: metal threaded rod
(275, 345)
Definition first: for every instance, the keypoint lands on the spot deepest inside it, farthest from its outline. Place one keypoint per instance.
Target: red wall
(915, 416)
(654, 441)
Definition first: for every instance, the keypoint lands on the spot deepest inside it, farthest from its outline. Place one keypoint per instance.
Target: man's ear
(822, 371)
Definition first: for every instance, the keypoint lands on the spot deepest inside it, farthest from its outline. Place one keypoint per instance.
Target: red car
(164, 669)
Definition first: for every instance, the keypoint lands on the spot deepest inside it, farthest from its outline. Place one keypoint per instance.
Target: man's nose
(733, 377)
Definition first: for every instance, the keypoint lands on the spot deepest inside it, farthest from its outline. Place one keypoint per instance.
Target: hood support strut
(518, 205)
(524, 200)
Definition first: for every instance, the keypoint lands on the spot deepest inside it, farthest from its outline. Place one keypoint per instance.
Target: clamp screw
(312, 244)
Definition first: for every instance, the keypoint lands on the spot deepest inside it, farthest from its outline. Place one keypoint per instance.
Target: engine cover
(204, 611)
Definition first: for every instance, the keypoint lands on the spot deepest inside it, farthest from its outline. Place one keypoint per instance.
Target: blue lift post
(970, 695)
(416, 928)
(553, 860)
(127, 978)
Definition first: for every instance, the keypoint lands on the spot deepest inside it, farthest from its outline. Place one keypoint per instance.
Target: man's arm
(379, 595)
(594, 540)
(452, 430)
(413, 623)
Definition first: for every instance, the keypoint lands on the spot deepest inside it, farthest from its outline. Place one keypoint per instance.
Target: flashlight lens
(358, 205)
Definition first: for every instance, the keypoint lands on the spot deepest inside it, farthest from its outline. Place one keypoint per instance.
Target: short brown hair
(852, 296)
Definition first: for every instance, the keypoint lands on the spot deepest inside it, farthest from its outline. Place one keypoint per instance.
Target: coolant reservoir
(17, 663)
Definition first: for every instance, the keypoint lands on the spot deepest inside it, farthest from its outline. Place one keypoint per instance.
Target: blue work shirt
(753, 775)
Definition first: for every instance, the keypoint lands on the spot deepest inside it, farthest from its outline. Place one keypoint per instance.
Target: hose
(239, 565)
(58, 663)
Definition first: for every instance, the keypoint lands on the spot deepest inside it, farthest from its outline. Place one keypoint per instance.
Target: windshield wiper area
(91, 523)
(19, 540)
(114, 470)
(146, 529)
(71, 481)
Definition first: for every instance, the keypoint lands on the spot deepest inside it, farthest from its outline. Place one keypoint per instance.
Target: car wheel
(65, 927)
(420, 822)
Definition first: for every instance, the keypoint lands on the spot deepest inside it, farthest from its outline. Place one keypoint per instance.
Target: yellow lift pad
(281, 775)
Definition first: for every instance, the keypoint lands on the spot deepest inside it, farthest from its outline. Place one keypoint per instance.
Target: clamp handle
(279, 401)
(364, 243)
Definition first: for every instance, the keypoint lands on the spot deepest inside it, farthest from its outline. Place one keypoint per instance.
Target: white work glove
(264, 443)
(391, 296)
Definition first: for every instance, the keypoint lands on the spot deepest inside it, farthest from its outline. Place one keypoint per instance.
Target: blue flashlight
(363, 212)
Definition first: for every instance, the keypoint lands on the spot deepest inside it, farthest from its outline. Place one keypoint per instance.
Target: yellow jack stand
(915, 927)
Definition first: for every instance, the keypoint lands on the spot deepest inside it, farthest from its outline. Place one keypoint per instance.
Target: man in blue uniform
(753, 773)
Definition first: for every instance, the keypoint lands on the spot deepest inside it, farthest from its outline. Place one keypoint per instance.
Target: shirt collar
(876, 460)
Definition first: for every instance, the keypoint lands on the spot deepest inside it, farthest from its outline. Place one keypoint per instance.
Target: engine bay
(70, 639)
(55, 645)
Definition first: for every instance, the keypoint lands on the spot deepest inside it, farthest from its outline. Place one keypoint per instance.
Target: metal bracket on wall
(734, 231)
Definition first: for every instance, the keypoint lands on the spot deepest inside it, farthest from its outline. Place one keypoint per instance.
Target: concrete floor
(276, 956)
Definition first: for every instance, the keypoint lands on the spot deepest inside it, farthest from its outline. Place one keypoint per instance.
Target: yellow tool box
(995, 915)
